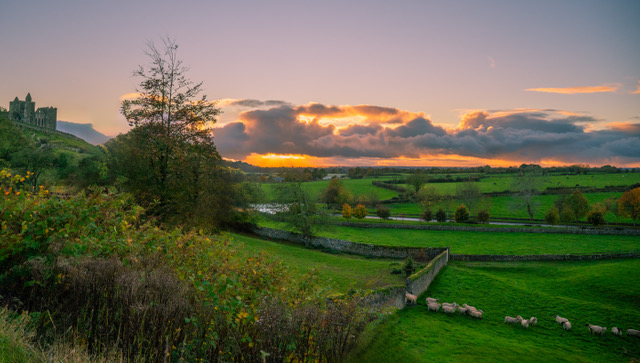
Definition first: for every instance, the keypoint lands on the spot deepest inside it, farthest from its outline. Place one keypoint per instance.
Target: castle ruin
(25, 112)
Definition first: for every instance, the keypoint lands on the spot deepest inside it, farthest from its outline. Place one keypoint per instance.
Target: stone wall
(431, 227)
(566, 257)
(387, 297)
(420, 281)
(422, 254)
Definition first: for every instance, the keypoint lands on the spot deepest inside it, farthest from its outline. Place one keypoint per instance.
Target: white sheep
(411, 299)
(449, 309)
(561, 320)
(468, 307)
(616, 331)
(516, 320)
(566, 325)
(525, 323)
(431, 300)
(449, 304)
(476, 314)
(533, 321)
(462, 310)
(434, 307)
(596, 329)
(633, 332)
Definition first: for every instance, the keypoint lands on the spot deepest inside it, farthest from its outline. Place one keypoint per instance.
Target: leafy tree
(552, 217)
(417, 179)
(526, 186)
(302, 213)
(12, 141)
(629, 204)
(461, 215)
(567, 215)
(383, 212)
(426, 215)
(360, 211)
(168, 160)
(347, 212)
(483, 216)
(428, 196)
(409, 266)
(468, 193)
(595, 217)
(335, 194)
(579, 204)
(611, 206)
(441, 215)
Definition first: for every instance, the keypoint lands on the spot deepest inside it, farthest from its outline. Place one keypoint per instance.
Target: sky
(302, 83)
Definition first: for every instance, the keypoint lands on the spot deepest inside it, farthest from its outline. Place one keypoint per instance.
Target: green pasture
(501, 183)
(316, 188)
(481, 243)
(339, 272)
(604, 293)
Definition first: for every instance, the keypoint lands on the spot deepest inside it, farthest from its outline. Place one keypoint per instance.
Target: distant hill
(83, 131)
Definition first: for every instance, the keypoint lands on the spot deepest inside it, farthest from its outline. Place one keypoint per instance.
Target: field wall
(428, 227)
(567, 257)
(420, 281)
(422, 254)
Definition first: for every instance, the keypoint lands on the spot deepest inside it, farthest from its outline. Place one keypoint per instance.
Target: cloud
(492, 62)
(637, 91)
(525, 135)
(250, 103)
(575, 90)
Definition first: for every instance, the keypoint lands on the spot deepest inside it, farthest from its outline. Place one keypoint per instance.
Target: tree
(168, 160)
(360, 211)
(461, 215)
(417, 179)
(428, 196)
(579, 204)
(483, 216)
(567, 215)
(629, 204)
(552, 217)
(441, 215)
(526, 186)
(595, 217)
(347, 212)
(335, 194)
(301, 212)
(427, 215)
(611, 206)
(468, 193)
(383, 212)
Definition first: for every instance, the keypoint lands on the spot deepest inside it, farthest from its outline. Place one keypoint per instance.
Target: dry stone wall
(567, 257)
(420, 281)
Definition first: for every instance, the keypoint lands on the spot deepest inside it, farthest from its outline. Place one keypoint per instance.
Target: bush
(441, 215)
(552, 217)
(483, 216)
(383, 212)
(461, 215)
(409, 266)
(347, 212)
(426, 215)
(567, 215)
(595, 217)
(360, 211)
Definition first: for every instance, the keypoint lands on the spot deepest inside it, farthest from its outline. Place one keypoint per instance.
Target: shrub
(441, 215)
(483, 216)
(409, 266)
(426, 215)
(383, 212)
(461, 215)
(360, 211)
(595, 217)
(552, 217)
(567, 215)
(347, 212)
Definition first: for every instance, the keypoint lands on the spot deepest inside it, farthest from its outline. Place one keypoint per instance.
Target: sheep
(411, 299)
(449, 304)
(633, 332)
(449, 309)
(431, 300)
(533, 321)
(525, 323)
(468, 307)
(516, 320)
(566, 325)
(596, 329)
(616, 331)
(476, 314)
(434, 307)
(462, 310)
(561, 320)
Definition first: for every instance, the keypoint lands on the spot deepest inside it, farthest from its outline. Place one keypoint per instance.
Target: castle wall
(25, 112)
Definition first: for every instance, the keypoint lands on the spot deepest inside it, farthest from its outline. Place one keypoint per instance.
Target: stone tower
(25, 112)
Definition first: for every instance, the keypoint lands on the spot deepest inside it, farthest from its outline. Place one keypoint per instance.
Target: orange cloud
(637, 91)
(575, 90)
(130, 96)
(284, 160)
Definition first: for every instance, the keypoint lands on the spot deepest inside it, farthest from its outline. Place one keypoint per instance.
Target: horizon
(355, 83)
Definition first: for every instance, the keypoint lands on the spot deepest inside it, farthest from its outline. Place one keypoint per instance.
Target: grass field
(355, 186)
(339, 272)
(603, 293)
(480, 243)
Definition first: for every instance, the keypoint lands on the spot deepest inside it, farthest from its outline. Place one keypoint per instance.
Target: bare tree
(527, 189)
(469, 194)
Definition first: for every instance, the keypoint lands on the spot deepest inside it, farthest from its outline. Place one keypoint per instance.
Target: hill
(83, 131)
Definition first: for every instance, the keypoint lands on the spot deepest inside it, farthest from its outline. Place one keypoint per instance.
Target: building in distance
(25, 112)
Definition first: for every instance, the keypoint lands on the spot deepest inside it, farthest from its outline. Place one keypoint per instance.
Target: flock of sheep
(448, 308)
